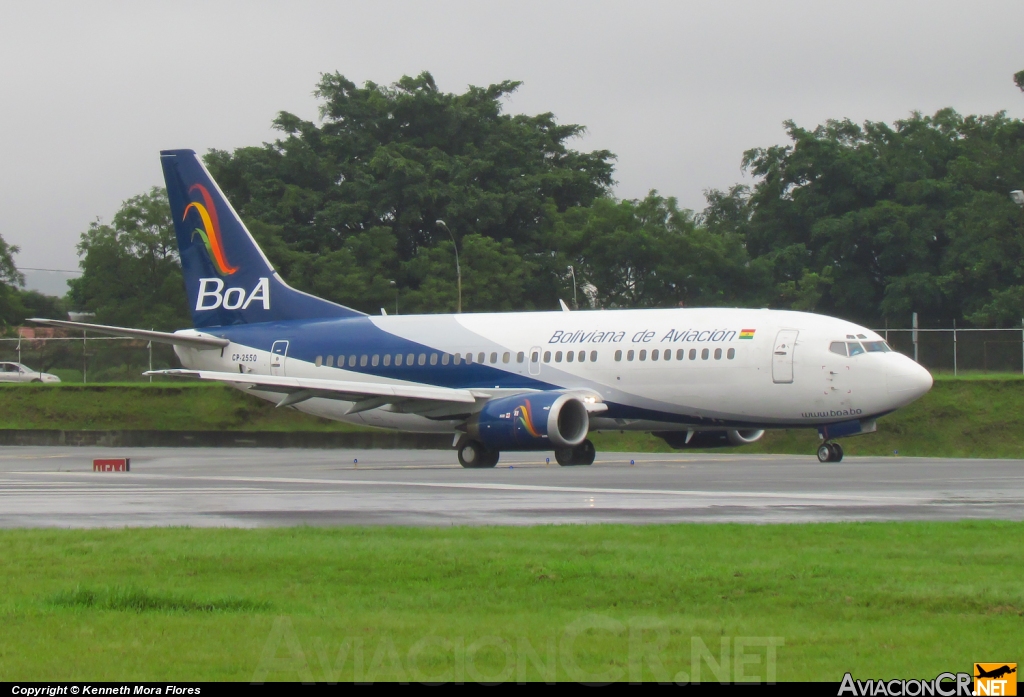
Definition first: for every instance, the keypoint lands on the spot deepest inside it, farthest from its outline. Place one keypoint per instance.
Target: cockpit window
(861, 336)
(838, 347)
(855, 348)
(876, 347)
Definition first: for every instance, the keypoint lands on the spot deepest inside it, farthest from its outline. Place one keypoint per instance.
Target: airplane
(515, 381)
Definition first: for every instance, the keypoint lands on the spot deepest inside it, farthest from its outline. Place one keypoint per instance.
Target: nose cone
(906, 380)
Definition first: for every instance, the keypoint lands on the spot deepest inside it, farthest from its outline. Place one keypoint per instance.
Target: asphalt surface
(56, 487)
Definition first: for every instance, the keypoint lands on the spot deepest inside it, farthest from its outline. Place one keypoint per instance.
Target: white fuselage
(668, 369)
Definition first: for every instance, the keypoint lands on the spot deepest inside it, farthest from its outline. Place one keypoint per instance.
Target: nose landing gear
(830, 452)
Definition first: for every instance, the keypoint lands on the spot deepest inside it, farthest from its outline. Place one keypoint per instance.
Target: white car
(16, 372)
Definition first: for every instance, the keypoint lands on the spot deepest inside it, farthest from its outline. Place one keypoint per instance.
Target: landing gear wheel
(474, 455)
(824, 453)
(563, 456)
(582, 454)
(837, 452)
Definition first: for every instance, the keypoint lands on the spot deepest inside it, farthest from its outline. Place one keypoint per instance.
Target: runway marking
(503, 487)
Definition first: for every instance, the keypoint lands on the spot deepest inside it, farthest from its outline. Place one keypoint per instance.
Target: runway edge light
(112, 464)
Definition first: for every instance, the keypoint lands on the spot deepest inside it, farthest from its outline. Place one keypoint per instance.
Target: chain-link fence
(961, 350)
(89, 359)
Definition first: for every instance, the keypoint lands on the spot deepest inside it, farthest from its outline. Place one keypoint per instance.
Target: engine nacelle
(534, 421)
(709, 439)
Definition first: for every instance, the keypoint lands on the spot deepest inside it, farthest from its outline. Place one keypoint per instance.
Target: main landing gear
(830, 452)
(473, 455)
(582, 454)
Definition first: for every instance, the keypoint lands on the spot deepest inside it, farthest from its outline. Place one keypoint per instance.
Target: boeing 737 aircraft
(515, 381)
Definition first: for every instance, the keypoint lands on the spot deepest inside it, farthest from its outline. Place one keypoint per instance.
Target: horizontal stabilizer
(197, 340)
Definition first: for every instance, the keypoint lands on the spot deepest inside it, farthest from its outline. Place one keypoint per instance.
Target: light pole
(395, 286)
(458, 269)
(1018, 197)
(572, 272)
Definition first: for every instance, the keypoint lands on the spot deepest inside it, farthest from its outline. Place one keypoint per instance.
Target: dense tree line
(867, 221)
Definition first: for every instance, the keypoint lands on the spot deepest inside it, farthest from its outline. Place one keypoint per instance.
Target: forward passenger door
(782, 356)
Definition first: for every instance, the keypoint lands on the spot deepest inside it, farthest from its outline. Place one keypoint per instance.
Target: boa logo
(210, 232)
(212, 295)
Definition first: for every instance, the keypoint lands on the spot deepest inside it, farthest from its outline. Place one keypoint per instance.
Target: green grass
(971, 416)
(182, 406)
(881, 600)
(958, 418)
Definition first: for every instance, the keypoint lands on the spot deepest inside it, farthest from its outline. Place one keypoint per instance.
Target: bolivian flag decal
(747, 333)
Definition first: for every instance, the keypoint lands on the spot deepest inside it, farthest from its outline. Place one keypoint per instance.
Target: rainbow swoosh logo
(210, 232)
(526, 418)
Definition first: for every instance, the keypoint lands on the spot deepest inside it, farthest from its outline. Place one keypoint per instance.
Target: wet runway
(56, 487)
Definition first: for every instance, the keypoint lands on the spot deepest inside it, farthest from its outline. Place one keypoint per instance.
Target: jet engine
(533, 421)
(709, 439)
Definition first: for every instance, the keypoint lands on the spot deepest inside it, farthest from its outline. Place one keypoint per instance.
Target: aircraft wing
(197, 340)
(365, 395)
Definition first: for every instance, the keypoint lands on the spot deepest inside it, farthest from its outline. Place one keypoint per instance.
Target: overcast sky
(90, 92)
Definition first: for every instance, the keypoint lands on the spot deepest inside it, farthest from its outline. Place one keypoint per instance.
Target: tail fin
(227, 277)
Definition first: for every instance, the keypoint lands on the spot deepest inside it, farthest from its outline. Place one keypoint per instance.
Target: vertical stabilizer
(228, 279)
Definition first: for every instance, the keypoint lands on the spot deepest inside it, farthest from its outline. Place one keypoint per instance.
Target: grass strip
(963, 417)
(574, 602)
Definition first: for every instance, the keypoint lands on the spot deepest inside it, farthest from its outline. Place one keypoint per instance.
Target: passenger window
(458, 359)
(469, 358)
(855, 348)
(387, 359)
(593, 356)
(330, 361)
(582, 357)
(629, 355)
(362, 361)
(433, 359)
(731, 354)
(570, 356)
(351, 361)
(481, 357)
(558, 356)
(547, 356)
(319, 361)
(693, 354)
(838, 347)
(876, 347)
(655, 354)
(494, 357)
(422, 359)
(409, 358)
(445, 358)
(398, 359)
(618, 355)
(718, 354)
(505, 357)
(704, 355)
(643, 354)
(375, 360)
(680, 354)
(534, 356)
(521, 356)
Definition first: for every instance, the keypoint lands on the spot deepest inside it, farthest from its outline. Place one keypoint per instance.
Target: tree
(385, 163)
(651, 253)
(871, 221)
(1018, 80)
(131, 275)
(11, 309)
